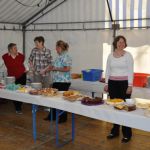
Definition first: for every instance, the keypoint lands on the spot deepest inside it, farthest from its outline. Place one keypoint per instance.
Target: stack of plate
(36, 85)
(9, 80)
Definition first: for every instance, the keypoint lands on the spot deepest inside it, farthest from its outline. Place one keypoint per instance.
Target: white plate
(130, 101)
(143, 105)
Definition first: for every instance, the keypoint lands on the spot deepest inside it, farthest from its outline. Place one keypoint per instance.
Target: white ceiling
(13, 12)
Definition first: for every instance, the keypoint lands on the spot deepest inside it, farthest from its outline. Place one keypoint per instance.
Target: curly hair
(64, 46)
(117, 39)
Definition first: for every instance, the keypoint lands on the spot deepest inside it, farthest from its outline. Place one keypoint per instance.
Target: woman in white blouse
(119, 80)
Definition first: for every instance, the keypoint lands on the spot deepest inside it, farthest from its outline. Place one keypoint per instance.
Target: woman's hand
(31, 66)
(62, 69)
(42, 71)
(50, 68)
(106, 88)
(129, 90)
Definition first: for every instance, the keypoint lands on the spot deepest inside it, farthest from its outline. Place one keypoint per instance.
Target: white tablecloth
(135, 119)
(98, 87)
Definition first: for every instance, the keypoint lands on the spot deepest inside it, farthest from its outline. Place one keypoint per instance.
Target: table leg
(93, 94)
(51, 120)
(34, 109)
(59, 113)
(73, 127)
(57, 130)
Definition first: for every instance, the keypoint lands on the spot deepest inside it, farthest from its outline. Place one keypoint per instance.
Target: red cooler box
(140, 79)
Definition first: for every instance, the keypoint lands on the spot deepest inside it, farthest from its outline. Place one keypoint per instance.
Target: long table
(97, 87)
(134, 119)
(36, 101)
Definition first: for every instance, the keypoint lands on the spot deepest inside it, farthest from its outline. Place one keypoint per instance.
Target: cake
(92, 101)
(130, 108)
(120, 107)
(71, 93)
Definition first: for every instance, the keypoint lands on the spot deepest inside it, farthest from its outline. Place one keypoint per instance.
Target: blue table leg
(57, 130)
(59, 113)
(73, 127)
(51, 113)
(34, 109)
(51, 120)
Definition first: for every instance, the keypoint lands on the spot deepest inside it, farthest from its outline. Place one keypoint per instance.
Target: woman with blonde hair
(61, 71)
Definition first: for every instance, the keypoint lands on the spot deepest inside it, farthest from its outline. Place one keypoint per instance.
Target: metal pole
(109, 11)
(114, 30)
(24, 39)
(114, 35)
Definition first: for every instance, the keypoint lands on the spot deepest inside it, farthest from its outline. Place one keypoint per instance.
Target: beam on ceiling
(45, 13)
(16, 23)
(32, 17)
(78, 22)
(85, 29)
(110, 13)
(1, 29)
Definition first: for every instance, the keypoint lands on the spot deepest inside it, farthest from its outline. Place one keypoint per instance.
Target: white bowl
(36, 85)
(130, 101)
(9, 80)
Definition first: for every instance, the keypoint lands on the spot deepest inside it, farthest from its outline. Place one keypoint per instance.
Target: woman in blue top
(61, 74)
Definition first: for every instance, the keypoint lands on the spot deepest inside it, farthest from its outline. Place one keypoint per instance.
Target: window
(129, 13)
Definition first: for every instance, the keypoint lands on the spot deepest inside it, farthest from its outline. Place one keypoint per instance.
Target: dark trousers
(61, 86)
(117, 89)
(22, 81)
